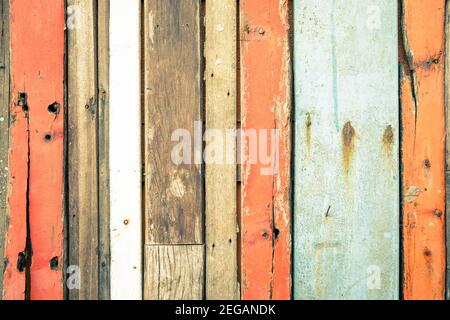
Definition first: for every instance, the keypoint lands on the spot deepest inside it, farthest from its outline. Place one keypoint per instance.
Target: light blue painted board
(346, 211)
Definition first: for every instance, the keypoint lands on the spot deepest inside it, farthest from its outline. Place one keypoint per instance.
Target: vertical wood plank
(221, 215)
(447, 155)
(82, 147)
(346, 205)
(265, 103)
(103, 7)
(4, 127)
(125, 150)
(174, 272)
(423, 126)
(35, 234)
(173, 189)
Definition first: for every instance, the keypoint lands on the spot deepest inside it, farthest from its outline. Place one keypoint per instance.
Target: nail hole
(265, 234)
(48, 137)
(54, 263)
(54, 108)
(126, 222)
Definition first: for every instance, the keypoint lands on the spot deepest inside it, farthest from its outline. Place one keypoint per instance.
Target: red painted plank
(36, 151)
(265, 87)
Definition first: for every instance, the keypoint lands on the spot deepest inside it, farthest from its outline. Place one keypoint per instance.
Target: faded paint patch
(177, 188)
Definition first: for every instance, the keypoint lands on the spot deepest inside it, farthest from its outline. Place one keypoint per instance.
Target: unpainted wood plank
(104, 253)
(82, 148)
(346, 201)
(172, 105)
(4, 129)
(221, 215)
(174, 272)
(125, 151)
(423, 153)
(35, 235)
(265, 109)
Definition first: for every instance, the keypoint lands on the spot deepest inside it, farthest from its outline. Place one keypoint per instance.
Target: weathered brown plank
(174, 272)
(82, 148)
(221, 215)
(4, 125)
(103, 149)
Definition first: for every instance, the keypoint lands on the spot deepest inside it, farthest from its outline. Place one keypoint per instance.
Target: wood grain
(83, 149)
(104, 252)
(265, 102)
(125, 151)
(35, 234)
(447, 130)
(174, 272)
(221, 215)
(4, 128)
(423, 153)
(346, 205)
(173, 203)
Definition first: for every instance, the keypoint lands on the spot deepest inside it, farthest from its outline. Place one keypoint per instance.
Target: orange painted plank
(35, 234)
(423, 156)
(265, 103)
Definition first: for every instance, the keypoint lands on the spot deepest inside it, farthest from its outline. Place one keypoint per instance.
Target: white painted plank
(125, 150)
(346, 241)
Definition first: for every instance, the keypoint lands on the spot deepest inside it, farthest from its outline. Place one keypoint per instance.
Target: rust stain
(308, 125)
(348, 145)
(388, 140)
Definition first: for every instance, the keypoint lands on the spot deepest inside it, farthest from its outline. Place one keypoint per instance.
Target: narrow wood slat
(221, 215)
(423, 152)
(346, 203)
(265, 102)
(103, 7)
(35, 234)
(82, 148)
(4, 126)
(174, 272)
(447, 155)
(172, 101)
(125, 150)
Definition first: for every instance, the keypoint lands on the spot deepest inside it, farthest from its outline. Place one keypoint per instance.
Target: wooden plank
(447, 155)
(82, 148)
(423, 159)
(103, 150)
(265, 103)
(174, 272)
(346, 201)
(221, 215)
(4, 127)
(35, 234)
(125, 150)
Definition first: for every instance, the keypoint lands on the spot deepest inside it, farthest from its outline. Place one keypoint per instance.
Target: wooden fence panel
(4, 126)
(125, 150)
(265, 102)
(35, 234)
(423, 142)
(346, 150)
(173, 186)
(82, 150)
(221, 212)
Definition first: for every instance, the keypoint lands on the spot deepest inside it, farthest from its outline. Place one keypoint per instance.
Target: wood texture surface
(125, 151)
(221, 215)
(83, 148)
(423, 148)
(265, 102)
(35, 233)
(4, 128)
(447, 155)
(174, 272)
(346, 206)
(173, 192)
(103, 7)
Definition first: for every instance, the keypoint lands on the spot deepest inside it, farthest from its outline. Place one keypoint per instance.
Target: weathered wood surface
(125, 150)
(4, 128)
(174, 272)
(82, 148)
(35, 234)
(104, 252)
(447, 118)
(265, 102)
(172, 101)
(346, 209)
(221, 215)
(423, 148)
